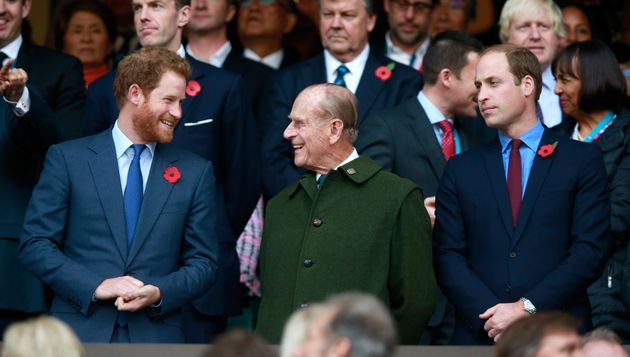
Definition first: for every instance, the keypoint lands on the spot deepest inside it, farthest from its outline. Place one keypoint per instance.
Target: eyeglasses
(417, 7)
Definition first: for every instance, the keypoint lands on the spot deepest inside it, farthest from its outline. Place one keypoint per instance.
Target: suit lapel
(155, 196)
(496, 174)
(369, 87)
(426, 135)
(537, 177)
(104, 169)
(196, 75)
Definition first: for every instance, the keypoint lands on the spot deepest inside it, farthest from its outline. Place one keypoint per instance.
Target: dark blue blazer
(57, 95)
(556, 250)
(373, 95)
(74, 236)
(228, 138)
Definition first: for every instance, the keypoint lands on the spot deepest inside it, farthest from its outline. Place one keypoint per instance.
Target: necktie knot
(137, 150)
(320, 181)
(516, 144)
(448, 139)
(341, 71)
(446, 126)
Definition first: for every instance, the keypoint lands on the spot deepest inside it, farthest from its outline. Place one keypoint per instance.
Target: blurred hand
(12, 82)
(139, 298)
(115, 287)
(429, 204)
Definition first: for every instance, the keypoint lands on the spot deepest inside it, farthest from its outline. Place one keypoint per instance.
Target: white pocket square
(205, 121)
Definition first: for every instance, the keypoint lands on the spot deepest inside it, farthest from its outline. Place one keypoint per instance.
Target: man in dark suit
(47, 110)
(377, 82)
(503, 251)
(409, 140)
(216, 124)
(120, 226)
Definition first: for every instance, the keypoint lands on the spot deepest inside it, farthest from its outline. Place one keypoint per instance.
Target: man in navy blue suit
(522, 225)
(216, 124)
(120, 226)
(378, 82)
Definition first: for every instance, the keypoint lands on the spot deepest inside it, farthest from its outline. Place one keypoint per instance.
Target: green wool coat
(365, 230)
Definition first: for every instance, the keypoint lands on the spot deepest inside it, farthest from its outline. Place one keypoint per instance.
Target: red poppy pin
(547, 150)
(171, 174)
(192, 88)
(384, 72)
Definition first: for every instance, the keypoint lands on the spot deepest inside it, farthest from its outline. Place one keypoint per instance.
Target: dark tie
(514, 180)
(448, 141)
(133, 194)
(341, 71)
(3, 57)
(320, 181)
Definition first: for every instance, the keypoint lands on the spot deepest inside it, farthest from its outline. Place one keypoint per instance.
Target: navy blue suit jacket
(556, 250)
(227, 138)
(74, 236)
(373, 95)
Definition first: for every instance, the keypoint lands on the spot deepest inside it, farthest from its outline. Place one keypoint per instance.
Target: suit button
(508, 288)
(308, 263)
(302, 306)
(513, 255)
(317, 222)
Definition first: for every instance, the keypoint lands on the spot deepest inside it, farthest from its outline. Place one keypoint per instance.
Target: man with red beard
(120, 226)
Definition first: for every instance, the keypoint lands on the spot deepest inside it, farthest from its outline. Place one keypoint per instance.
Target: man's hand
(12, 82)
(115, 287)
(139, 298)
(429, 204)
(500, 316)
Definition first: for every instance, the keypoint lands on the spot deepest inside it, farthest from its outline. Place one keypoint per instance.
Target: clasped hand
(500, 316)
(130, 293)
(12, 82)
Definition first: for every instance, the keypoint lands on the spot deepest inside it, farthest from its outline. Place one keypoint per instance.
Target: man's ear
(336, 130)
(291, 22)
(135, 95)
(445, 77)
(341, 347)
(26, 8)
(528, 85)
(231, 11)
(183, 16)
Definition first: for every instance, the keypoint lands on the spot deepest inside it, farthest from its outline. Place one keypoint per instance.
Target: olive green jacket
(364, 230)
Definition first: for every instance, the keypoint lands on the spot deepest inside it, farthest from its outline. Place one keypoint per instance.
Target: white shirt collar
(181, 52)
(397, 54)
(12, 49)
(353, 155)
(273, 60)
(122, 142)
(355, 67)
(217, 58)
(434, 114)
(549, 101)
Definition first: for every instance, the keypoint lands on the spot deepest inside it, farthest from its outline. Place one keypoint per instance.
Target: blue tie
(133, 194)
(341, 71)
(133, 202)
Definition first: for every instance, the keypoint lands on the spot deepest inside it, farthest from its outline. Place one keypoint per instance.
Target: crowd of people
(253, 158)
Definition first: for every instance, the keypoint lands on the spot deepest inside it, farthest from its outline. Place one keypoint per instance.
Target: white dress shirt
(124, 155)
(549, 101)
(273, 60)
(355, 67)
(217, 58)
(397, 54)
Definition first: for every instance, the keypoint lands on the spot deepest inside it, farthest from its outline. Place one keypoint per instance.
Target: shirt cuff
(23, 105)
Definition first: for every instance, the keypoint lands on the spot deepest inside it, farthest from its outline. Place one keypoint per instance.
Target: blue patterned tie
(341, 71)
(133, 194)
(133, 202)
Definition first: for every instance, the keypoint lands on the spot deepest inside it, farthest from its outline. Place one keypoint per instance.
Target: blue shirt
(435, 116)
(531, 140)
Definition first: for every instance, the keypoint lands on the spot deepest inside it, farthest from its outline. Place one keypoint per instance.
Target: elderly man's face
(344, 28)
(309, 133)
(318, 342)
(534, 31)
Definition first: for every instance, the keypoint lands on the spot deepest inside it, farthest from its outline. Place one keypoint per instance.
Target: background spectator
(43, 337)
(576, 22)
(602, 342)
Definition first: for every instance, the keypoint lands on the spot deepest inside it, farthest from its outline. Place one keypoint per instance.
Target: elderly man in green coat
(346, 225)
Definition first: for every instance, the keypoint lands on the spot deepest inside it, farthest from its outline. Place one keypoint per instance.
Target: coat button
(508, 288)
(308, 263)
(317, 222)
(513, 255)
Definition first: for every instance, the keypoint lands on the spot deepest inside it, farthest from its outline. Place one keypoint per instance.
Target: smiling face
(534, 30)
(158, 113)
(12, 13)
(568, 89)
(344, 27)
(158, 22)
(87, 39)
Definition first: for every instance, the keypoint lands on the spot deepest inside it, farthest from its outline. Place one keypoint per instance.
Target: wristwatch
(528, 306)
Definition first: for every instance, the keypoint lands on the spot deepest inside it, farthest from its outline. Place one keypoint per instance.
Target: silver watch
(528, 306)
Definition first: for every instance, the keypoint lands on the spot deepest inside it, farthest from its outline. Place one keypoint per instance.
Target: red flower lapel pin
(192, 88)
(384, 72)
(171, 174)
(547, 150)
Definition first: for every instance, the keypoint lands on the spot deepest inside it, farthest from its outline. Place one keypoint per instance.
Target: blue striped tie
(341, 71)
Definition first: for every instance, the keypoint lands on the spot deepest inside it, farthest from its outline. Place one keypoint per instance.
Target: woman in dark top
(592, 89)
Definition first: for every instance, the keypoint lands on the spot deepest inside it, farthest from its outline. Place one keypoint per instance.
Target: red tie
(448, 142)
(514, 181)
